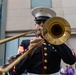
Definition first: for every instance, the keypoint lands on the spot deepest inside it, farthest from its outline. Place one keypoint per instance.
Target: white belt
(57, 73)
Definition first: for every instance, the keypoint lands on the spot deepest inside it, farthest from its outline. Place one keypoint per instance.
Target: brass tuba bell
(56, 30)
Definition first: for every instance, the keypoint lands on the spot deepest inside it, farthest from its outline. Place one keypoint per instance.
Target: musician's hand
(33, 42)
(20, 50)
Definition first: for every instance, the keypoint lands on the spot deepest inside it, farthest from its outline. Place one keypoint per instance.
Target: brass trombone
(14, 37)
(56, 31)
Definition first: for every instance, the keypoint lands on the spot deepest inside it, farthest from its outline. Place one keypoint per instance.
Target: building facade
(17, 18)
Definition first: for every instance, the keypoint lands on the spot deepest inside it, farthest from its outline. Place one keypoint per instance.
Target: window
(36, 3)
(12, 46)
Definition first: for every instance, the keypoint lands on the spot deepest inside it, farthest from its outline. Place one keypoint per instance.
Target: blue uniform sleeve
(24, 64)
(65, 53)
(25, 43)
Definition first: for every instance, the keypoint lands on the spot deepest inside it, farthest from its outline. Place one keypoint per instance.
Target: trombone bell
(56, 30)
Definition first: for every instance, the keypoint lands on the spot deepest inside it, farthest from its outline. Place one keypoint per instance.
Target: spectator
(62, 71)
(70, 70)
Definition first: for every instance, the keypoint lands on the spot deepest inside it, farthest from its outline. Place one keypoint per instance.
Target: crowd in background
(68, 71)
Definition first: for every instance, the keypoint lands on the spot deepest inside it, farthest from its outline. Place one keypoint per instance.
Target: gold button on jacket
(45, 54)
(45, 67)
(45, 48)
(45, 61)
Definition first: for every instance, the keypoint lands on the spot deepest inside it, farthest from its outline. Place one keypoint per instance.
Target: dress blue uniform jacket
(46, 58)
